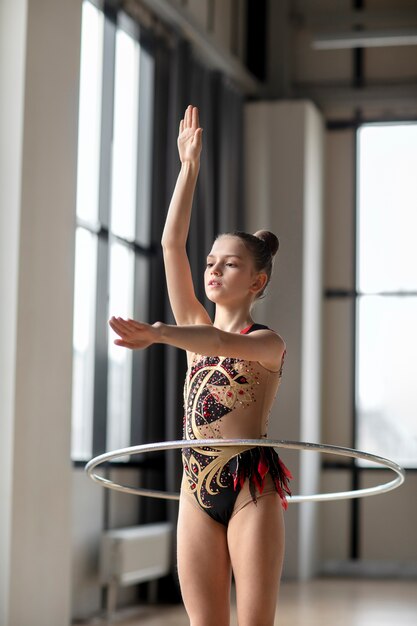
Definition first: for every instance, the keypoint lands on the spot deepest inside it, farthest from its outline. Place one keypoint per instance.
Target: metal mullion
(140, 359)
(347, 293)
(387, 294)
(355, 476)
(143, 203)
(109, 53)
(134, 245)
(358, 53)
(103, 231)
(101, 331)
(144, 142)
(334, 293)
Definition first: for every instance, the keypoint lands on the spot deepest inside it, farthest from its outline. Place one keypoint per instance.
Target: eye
(209, 264)
(231, 264)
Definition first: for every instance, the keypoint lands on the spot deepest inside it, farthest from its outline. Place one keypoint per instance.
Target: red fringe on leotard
(255, 464)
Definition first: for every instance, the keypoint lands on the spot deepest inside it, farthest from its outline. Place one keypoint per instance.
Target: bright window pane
(125, 136)
(387, 261)
(387, 208)
(387, 399)
(83, 342)
(120, 359)
(89, 113)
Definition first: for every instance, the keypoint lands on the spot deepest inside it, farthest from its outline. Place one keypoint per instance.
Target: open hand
(134, 335)
(190, 136)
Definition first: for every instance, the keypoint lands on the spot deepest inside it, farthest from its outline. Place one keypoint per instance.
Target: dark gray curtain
(181, 79)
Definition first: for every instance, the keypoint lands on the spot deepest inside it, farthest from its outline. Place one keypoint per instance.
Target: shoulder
(260, 330)
(267, 334)
(276, 347)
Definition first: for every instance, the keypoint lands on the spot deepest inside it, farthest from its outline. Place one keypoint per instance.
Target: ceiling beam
(333, 40)
(215, 55)
(318, 20)
(388, 94)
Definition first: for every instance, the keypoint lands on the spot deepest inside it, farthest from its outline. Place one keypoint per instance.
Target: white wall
(88, 522)
(39, 85)
(284, 171)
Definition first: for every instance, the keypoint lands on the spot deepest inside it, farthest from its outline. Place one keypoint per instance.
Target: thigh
(256, 539)
(203, 566)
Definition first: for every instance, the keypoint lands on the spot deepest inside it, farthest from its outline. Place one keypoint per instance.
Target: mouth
(214, 283)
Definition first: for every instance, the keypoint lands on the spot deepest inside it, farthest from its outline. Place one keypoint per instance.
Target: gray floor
(322, 602)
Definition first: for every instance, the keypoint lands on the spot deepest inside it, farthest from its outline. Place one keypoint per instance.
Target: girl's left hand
(134, 335)
(190, 136)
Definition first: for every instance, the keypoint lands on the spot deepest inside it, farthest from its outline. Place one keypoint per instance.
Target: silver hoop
(249, 443)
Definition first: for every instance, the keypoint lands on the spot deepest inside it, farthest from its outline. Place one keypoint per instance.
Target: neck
(232, 321)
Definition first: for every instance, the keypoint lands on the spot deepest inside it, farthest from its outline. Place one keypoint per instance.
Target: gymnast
(232, 499)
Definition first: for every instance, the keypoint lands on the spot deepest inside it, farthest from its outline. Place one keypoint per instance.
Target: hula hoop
(249, 443)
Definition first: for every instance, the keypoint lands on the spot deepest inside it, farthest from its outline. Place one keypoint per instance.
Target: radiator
(134, 555)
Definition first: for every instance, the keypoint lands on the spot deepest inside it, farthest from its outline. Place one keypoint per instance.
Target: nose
(216, 270)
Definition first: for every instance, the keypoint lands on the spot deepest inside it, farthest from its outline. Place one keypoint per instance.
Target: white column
(12, 60)
(39, 75)
(284, 194)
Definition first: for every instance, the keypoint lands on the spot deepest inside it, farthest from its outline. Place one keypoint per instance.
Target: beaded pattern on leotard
(214, 387)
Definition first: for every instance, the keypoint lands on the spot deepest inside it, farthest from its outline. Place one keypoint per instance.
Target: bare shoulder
(274, 348)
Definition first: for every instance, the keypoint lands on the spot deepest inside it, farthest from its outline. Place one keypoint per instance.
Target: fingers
(117, 323)
(189, 116)
(124, 328)
(194, 113)
(191, 119)
(123, 344)
(127, 331)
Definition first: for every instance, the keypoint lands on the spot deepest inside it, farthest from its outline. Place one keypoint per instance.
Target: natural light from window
(387, 278)
(89, 120)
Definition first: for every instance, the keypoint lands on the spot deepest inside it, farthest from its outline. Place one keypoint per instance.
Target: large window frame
(385, 293)
(139, 246)
(355, 469)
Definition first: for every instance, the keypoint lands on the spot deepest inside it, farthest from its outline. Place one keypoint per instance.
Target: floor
(322, 602)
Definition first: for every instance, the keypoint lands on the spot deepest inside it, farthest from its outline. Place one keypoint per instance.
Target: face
(230, 274)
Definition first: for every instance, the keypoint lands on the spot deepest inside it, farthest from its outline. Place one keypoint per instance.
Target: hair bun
(269, 239)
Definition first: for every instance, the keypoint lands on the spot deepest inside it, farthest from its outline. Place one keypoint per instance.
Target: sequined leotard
(230, 398)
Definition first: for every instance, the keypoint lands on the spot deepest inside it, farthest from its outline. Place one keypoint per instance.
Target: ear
(259, 282)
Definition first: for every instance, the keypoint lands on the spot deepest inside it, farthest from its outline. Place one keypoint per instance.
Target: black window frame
(355, 470)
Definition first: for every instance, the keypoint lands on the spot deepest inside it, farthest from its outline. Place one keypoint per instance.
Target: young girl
(232, 499)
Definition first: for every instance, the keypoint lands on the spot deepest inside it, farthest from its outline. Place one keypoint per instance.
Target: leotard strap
(254, 326)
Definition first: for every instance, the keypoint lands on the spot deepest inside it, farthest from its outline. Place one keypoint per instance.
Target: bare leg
(256, 539)
(203, 566)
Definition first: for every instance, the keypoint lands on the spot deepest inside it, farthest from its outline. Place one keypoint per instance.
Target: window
(387, 287)
(113, 226)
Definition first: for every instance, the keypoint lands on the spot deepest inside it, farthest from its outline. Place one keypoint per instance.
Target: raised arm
(185, 306)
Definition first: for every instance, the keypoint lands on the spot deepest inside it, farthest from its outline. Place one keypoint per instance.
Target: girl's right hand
(190, 136)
